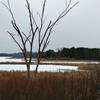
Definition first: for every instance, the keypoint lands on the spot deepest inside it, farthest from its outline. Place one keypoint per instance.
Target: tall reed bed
(47, 86)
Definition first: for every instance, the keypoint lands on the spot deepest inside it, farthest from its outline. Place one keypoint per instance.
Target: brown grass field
(82, 85)
(48, 86)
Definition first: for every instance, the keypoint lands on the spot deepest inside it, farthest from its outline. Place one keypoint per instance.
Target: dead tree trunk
(43, 31)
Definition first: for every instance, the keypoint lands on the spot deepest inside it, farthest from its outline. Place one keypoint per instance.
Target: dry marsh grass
(47, 86)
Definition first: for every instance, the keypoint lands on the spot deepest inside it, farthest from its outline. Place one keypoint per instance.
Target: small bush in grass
(47, 86)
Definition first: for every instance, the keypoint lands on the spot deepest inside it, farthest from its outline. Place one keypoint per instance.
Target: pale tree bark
(43, 36)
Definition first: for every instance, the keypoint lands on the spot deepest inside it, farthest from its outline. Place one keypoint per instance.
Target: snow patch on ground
(47, 68)
(8, 59)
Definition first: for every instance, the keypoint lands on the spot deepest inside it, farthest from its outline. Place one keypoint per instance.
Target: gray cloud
(79, 28)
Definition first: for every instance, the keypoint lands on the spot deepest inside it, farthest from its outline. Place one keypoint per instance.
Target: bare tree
(43, 36)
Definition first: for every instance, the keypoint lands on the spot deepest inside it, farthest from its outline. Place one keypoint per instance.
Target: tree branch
(65, 12)
(15, 40)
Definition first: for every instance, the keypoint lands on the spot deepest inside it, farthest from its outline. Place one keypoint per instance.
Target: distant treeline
(16, 55)
(74, 53)
(80, 53)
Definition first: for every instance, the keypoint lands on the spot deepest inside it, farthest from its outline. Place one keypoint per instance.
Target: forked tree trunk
(28, 71)
(37, 65)
(34, 29)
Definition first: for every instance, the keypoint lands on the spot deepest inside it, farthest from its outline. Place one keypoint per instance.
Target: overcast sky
(80, 28)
